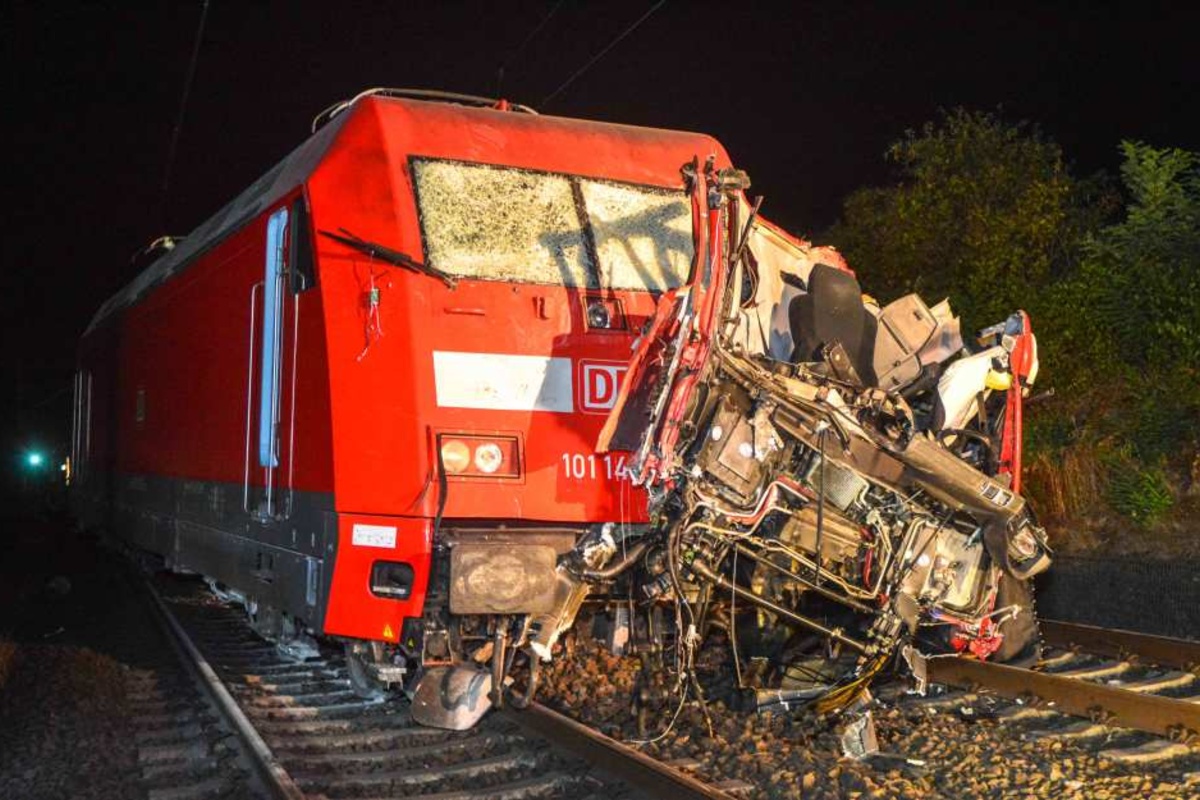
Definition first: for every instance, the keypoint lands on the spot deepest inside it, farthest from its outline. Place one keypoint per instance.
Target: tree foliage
(1130, 314)
(986, 212)
(1147, 267)
(982, 212)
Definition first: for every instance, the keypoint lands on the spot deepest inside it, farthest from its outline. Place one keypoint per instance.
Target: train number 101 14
(589, 466)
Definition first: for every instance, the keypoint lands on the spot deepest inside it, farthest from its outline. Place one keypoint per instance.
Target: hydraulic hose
(617, 567)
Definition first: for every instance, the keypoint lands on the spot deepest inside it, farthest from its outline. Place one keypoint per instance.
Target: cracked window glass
(643, 236)
(501, 224)
(504, 224)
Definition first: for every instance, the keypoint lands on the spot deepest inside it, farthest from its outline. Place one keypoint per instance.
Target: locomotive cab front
(479, 324)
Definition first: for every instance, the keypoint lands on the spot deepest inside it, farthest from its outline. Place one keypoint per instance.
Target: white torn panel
(503, 382)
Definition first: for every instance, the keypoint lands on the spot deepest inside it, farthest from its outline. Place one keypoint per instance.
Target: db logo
(601, 380)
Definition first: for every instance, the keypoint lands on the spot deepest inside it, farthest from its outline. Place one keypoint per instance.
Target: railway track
(1125, 696)
(309, 735)
(1135, 695)
(185, 747)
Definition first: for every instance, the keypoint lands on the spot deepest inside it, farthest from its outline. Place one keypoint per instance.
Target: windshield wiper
(389, 255)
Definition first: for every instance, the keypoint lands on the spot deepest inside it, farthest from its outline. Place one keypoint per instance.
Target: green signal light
(34, 459)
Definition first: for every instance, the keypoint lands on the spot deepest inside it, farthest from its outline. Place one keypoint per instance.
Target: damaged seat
(832, 313)
(901, 359)
(881, 347)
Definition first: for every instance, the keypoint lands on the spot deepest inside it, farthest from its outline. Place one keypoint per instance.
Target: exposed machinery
(830, 480)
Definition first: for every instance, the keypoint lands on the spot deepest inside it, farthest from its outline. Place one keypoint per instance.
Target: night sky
(806, 100)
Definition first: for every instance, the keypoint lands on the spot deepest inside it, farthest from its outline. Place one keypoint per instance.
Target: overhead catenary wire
(591, 62)
(183, 102)
(519, 49)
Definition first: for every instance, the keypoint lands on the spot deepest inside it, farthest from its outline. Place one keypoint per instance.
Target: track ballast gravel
(958, 753)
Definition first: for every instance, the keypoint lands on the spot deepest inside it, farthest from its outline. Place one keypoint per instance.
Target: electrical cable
(685, 648)
(602, 53)
(521, 47)
(183, 101)
(737, 661)
(443, 491)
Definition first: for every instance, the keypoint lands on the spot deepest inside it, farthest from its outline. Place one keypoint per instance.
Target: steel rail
(620, 760)
(1173, 718)
(272, 773)
(1182, 654)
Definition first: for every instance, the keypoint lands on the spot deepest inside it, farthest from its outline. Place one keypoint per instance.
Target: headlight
(1028, 553)
(602, 313)
(1023, 545)
(456, 456)
(488, 458)
(597, 315)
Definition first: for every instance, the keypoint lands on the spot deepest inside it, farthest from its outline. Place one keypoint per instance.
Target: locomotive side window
(272, 335)
(499, 223)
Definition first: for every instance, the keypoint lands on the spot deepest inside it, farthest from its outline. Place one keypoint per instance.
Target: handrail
(250, 396)
(287, 512)
(418, 94)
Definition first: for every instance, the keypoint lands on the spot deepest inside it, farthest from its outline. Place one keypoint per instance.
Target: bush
(986, 212)
(1141, 494)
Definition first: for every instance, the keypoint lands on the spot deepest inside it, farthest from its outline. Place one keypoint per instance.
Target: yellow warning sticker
(388, 633)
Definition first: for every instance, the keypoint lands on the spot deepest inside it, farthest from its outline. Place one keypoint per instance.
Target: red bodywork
(1021, 363)
(171, 365)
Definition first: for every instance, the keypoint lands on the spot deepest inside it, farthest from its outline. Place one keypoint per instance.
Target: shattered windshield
(643, 236)
(498, 223)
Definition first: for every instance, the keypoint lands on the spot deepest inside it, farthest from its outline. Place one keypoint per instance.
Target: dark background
(805, 97)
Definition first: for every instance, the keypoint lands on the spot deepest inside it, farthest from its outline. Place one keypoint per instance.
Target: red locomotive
(365, 398)
(416, 322)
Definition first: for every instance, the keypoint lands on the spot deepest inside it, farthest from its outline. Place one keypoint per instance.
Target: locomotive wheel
(1022, 645)
(362, 683)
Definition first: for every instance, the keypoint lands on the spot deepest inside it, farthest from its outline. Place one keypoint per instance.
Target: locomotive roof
(296, 168)
(277, 182)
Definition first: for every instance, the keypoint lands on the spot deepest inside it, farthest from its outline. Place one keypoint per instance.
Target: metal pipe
(703, 570)
(522, 700)
(499, 665)
(276, 345)
(822, 430)
(821, 590)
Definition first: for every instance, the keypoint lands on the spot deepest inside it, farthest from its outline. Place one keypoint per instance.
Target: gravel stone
(64, 729)
(794, 755)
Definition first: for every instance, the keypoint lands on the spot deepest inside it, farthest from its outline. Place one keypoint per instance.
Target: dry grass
(1071, 487)
(1069, 493)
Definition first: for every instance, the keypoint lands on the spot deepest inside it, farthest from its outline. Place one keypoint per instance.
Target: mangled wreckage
(829, 480)
(818, 480)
